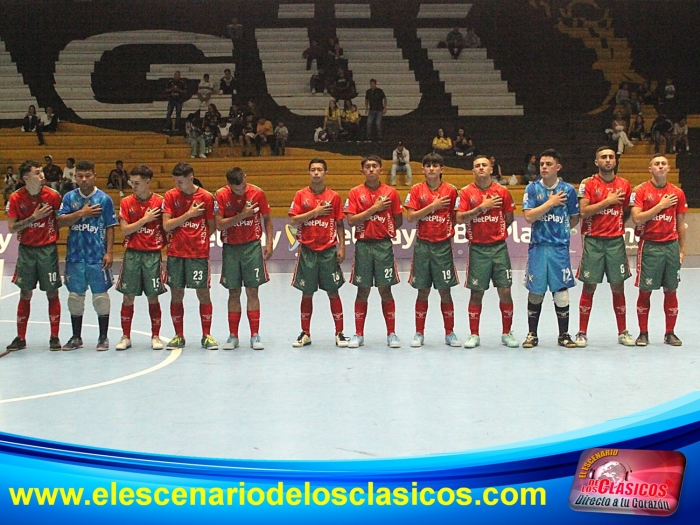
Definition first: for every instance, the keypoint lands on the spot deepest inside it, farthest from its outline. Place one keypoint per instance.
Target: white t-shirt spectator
(69, 174)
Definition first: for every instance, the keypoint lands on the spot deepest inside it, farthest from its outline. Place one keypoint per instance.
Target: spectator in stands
(224, 134)
(646, 95)
(350, 119)
(48, 121)
(118, 178)
(460, 144)
(209, 136)
(680, 136)
(331, 120)
(619, 133)
(442, 144)
(313, 52)
(176, 90)
(401, 159)
(264, 135)
(334, 57)
(252, 109)
(496, 173)
(52, 173)
(237, 119)
(635, 103)
(68, 180)
(205, 90)
(247, 135)
(193, 136)
(281, 138)
(531, 172)
(669, 92)
(228, 84)
(10, 183)
(343, 88)
(661, 127)
(212, 116)
(234, 31)
(471, 40)
(638, 129)
(30, 122)
(455, 42)
(375, 109)
(622, 97)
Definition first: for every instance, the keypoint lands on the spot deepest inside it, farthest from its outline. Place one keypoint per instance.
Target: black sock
(533, 316)
(103, 322)
(77, 322)
(562, 318)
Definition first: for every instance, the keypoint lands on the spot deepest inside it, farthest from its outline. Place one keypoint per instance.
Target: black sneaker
(531, 340)
(102, 344)
(566, 341)
(672, 339)
(643, 339)
(73, 344)
(17, 344)
(55, 344)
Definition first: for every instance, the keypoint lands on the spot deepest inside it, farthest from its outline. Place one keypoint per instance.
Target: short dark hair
(551, 153)
(27, 166)
(119, 162)
(235, 176)
(318, 160)
(657, 155)
(375, 158)
(602, 148)
(182, 169)
(143, 171)
(433, 158)
(71, 159)
(480, 157)
(85, 165)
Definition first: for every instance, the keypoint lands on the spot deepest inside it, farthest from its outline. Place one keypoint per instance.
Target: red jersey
(191, 239)
(438, 225)
(609, 222)
(150, 237)
(662, 226)
(319, 233)
(380, 225)
(22, 205)
(488, 227)
(230, 204)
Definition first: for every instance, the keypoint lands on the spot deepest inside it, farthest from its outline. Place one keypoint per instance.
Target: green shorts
(37, 264)
(243, 265)
(188, 273)
(486, 263)
(433, 265)
(316, 270)
(142, 272)
(603, 256)
(658, 264)
(374, 264)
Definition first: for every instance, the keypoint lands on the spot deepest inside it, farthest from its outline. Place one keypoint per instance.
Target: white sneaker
(231, 343)
(341, 341)
(472, 342)
(356, 341)
(451, 340)
(123, 343)
(417, 340)
(393, 341)
(303, 340)
(156, 343)
(121, 193)
(202, 156)
(581, 340)
(626, 339)
(256, 343)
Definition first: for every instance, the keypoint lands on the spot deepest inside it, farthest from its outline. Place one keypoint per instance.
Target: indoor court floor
(321, 402)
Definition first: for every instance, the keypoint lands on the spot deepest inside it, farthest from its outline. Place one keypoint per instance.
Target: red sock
(307, 308)
(360, 315)
(337, 311)
(205, 312)
(127, 314)
(584, 310)
(448, 316)
(155, 315)
(620, 308)
(506, 316)
(177, 314)
(234, 320)
(389, 311)
(421, 312)
(670, 310)
(54, 315)
(474, 318)
(254, 321)
(22, 318)
(643, 303)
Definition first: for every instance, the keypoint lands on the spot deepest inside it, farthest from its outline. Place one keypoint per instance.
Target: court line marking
(173, 355)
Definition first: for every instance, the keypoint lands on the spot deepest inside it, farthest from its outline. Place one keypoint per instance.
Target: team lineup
(183, 220)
